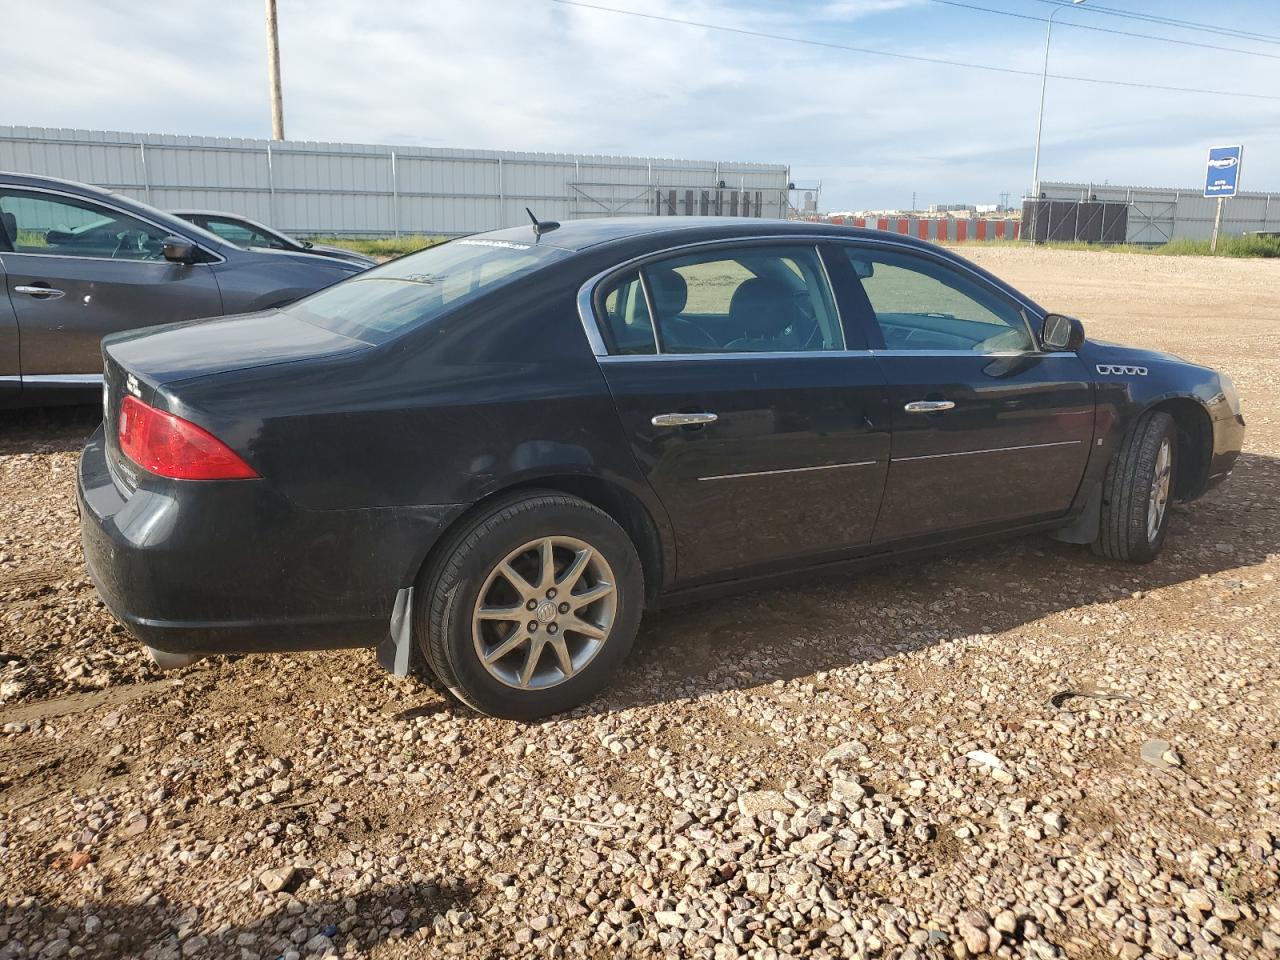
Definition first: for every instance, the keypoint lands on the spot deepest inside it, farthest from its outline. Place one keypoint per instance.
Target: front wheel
(1136, 492)
(531, 606)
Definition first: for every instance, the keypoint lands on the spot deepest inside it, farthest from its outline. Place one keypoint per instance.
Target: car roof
(581, 234)
(36, 180)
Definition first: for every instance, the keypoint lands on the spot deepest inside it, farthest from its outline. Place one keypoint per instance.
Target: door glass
(627, 314)
(748, 299)
(69, 227)
(924, 305)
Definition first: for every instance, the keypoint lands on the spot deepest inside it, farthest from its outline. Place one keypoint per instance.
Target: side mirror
(178, 250)
(1061, 333)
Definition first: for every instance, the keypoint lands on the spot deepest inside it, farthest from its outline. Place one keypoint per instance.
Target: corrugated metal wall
(1159, 215)
(353, 189)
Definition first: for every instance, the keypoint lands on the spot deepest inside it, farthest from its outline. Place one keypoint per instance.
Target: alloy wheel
(1158, 501)
(544, 612)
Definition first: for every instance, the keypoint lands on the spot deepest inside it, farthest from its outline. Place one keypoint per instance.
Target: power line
(1170, 21)
(1119, 33)
(759, 34)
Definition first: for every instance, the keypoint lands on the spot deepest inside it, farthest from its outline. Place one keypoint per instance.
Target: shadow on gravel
(832, 620)
(47, 429)
(172, 929)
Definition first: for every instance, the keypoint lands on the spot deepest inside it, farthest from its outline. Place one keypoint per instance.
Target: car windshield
(386, 301)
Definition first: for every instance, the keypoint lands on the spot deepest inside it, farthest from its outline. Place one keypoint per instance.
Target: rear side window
(627, 313)
(386, 301)
(749, 299)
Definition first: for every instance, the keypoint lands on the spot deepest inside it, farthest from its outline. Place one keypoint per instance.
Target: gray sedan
(78, 262)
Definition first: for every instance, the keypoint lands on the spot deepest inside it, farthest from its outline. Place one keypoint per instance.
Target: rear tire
(1136, 492)
(530, 606)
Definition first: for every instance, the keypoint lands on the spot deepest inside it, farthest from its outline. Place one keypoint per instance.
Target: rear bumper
(232, 567)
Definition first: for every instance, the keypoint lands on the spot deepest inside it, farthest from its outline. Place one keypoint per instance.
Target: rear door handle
(928, 406)
(683, 419)
(44, 293)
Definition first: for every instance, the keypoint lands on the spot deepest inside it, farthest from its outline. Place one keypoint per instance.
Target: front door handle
(928, 406)
(683, 419)
(44, 293)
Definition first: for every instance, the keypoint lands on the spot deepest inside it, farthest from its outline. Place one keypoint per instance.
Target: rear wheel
(1136, 492)
(531, 606)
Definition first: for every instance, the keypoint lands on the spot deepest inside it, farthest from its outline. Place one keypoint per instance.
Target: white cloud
(533, 75)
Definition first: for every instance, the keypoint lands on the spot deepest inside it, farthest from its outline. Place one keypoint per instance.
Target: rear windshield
(386, 301)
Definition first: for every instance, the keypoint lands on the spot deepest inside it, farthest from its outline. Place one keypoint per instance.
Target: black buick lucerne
(491, 456)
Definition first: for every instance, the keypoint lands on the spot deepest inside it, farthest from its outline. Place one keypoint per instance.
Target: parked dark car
(495, 453)
(244, 232)
(78, 262)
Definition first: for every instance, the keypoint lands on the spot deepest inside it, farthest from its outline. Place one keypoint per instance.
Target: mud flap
(395, 652)
(1086, 526)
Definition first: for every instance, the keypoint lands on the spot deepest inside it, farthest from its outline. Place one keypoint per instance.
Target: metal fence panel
(309, 187)
(1159, 215)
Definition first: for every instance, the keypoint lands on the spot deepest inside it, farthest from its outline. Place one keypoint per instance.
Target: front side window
(385, 301)
(921, 304)
(70, 227)
(748, 299)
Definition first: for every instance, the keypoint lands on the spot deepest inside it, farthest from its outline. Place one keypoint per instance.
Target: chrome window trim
(590, 323)
(800, 354)
(110, 206)
(774, 473)
(970, 453)
(734, 355)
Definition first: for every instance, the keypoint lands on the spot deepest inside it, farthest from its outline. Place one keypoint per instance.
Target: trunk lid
(140, 362)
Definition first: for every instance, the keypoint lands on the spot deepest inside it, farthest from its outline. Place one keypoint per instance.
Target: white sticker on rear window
(504, 244)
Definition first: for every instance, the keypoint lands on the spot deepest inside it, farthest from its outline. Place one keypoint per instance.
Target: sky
(541, 75)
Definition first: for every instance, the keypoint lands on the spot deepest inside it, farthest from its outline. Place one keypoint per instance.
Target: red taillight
(172, 447)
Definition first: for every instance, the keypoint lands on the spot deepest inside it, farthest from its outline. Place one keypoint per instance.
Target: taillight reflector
(172, 447)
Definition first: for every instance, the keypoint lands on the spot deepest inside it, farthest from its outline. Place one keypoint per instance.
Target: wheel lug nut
(564, 608)
(533, 626)
(531, 605)
(552, 628)
(551, 594)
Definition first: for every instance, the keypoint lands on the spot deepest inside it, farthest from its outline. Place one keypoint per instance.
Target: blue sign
(1223, 178)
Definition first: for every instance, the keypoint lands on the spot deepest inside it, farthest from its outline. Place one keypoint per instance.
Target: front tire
(1137, 489)
(530, 606)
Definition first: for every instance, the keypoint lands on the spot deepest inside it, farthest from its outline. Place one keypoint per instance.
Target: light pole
(1044, 79)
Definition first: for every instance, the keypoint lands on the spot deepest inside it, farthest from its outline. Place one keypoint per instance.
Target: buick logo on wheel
(1116, 370)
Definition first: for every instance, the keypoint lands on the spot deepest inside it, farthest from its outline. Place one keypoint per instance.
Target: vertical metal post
(271, 188)
(502, 191)
(146, 177)
(273, 72)
(395, 197)
(1035, 164)
(1217, 228)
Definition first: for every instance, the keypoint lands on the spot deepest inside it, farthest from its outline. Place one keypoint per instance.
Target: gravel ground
(1020, 750)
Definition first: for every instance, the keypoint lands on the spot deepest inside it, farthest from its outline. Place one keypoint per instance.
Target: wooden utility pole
(273, 72)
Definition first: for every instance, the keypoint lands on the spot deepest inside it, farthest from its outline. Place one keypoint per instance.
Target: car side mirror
(178, 250)
(1062, 333)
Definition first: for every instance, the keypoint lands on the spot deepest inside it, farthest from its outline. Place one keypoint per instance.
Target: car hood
(341, 253)
(1105, 352)
(345, 267)
(198, 348)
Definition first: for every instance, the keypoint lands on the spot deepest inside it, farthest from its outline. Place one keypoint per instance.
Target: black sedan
(493, 455)
(244, 232)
